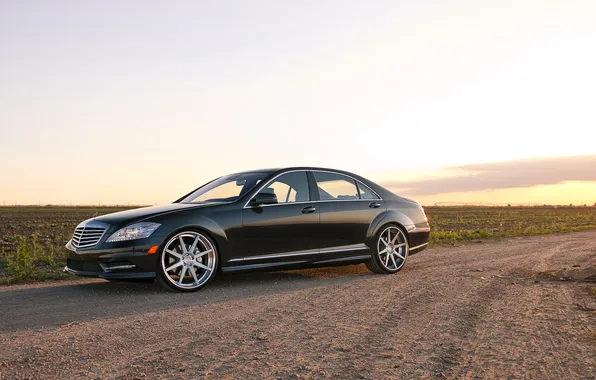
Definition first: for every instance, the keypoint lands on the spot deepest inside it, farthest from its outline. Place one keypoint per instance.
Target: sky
(139, 102)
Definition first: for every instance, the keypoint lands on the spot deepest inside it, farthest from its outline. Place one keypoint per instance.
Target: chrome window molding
(326, 200)
(282, 204)
(310, 202)
(349, 200)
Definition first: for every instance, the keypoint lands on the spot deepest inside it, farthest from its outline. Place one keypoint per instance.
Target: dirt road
(520, 307)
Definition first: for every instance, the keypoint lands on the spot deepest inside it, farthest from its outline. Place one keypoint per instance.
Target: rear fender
(388, 217)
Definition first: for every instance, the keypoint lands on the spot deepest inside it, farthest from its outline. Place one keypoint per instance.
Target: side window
(335, 186)
(366, 192)
(289, 187)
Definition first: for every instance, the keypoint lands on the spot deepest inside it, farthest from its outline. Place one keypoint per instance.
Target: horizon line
(436, 204)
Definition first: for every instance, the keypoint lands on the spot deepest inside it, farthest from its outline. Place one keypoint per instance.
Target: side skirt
(302, 264)
(310, 252)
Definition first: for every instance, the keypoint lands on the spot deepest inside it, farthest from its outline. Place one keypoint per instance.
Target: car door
(347, 208)
(285, 230)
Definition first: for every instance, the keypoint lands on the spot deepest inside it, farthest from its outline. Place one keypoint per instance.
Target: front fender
(174, 224)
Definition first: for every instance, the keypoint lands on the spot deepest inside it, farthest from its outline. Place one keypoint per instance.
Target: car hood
(138, 214)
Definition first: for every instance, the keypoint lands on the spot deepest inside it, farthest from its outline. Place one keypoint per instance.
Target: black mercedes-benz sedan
(273, 219)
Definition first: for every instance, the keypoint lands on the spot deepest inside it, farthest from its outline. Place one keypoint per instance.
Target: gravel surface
(522, 307)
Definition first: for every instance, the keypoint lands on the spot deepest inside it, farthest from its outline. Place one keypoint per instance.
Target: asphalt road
(521, 307)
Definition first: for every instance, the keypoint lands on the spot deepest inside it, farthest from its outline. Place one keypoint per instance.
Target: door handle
(374, 205)
(308, 209)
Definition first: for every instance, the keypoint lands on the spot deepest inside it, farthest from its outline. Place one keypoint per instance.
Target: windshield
(225, 189)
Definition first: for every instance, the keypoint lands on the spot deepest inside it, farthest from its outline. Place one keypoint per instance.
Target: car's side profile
(274, 219)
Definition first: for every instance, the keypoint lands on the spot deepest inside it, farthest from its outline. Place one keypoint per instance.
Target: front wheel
(187, 262)
(390, 252)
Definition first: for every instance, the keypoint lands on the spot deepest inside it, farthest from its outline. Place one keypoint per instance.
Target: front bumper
(109, 275)
(128, 261)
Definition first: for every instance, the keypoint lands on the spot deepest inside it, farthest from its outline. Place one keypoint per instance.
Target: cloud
(504, 175)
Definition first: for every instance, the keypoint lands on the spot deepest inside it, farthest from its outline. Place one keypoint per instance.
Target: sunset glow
(576, 193)
(117, 103)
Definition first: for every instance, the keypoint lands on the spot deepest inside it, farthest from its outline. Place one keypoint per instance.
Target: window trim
(311, 179)
(356, 182)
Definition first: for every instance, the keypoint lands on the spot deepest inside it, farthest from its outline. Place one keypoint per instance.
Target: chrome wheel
(392, 248)
(189, 260)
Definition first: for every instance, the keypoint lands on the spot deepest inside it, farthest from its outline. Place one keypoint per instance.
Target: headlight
(134, 231)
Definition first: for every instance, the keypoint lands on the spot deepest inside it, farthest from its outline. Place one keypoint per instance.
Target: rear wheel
(187, 262)
(390, 252)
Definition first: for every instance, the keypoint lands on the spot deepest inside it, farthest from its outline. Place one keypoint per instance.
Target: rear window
(333, 186)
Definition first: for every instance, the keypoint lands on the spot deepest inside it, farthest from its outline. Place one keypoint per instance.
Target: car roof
(277, 171)
(288, 168)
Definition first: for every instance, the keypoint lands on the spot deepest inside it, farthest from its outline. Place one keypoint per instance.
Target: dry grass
(32, 240)
(456, 225)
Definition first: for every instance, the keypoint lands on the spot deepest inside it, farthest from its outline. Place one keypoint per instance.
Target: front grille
(87, 236)
(83, 266)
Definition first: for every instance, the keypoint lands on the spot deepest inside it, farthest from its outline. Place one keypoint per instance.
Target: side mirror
(263, 199)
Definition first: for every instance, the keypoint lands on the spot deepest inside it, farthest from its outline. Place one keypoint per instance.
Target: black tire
(376, 263)
(187, 261)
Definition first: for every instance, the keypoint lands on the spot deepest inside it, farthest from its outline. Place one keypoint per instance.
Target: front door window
(289, 188)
